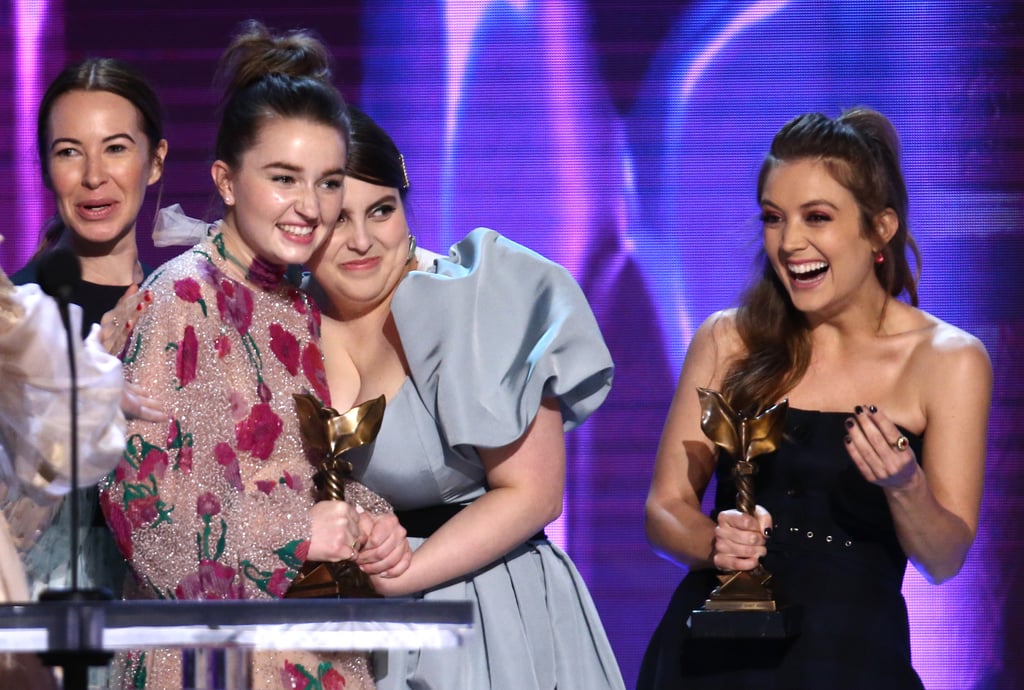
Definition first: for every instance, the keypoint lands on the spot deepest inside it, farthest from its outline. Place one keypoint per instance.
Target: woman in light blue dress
(486, 358)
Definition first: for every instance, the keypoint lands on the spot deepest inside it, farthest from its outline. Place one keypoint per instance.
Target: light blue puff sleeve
(492, 330)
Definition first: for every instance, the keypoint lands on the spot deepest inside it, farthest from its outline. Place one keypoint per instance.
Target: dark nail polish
(138, 307)
(768, 532)
(872, 409)
(849, 423)
(848, 439)
(858, 409)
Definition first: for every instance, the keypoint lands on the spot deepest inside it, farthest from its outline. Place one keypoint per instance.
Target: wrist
(912, 487)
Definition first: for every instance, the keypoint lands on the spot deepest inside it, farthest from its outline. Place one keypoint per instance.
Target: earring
(879, 258)
(228, 200)
(412, 248)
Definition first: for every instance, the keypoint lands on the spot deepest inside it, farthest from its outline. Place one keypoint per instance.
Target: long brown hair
(860, 149)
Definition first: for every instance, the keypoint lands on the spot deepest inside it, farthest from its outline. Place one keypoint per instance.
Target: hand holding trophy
(331, 435)
(742, 605)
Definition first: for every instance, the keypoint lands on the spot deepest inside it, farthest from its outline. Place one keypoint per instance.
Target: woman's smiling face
(366, 257)
(814, 237)
(285, 196)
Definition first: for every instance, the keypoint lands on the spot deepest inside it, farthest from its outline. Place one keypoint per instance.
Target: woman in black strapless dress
(884, 448)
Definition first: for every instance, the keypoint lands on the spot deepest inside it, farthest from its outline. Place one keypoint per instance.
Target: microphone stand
(78, 643)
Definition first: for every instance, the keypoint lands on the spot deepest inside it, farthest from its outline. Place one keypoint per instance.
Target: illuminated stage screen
(622, 139)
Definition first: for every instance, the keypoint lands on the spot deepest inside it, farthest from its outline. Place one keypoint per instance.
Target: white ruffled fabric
(35, 410)
(174, 228)
(35, 416)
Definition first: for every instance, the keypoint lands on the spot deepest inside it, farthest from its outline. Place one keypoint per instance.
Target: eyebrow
(806, 204)
(72, 140)
(387, 197)
(298, 169)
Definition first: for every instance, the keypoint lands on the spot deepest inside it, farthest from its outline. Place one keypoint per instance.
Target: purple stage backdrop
(623, 139)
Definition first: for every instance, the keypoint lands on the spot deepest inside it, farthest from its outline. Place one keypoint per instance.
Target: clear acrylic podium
(83, 633)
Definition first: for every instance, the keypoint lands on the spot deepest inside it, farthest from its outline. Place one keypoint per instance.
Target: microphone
(77, 644)
(58, 273)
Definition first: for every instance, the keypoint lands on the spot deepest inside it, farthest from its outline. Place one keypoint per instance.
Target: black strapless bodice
(833, 554)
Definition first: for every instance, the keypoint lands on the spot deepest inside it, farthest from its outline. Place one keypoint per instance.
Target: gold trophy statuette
(742, 604)
(333, 434)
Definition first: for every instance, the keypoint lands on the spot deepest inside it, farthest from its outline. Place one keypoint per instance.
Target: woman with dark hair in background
(100, 142)
(486, 358)
(101, 145)
(219, 505)
(884, 449)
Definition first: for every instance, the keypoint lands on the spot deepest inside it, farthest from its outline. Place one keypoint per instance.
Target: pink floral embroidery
(185, 460)
(222, 345)
(286, 347)
(212, 580)
(187, 289)
(173, 431)
(185, 362)
(263, 392)
(313, 368)
(207, 504)
(142, 511)
(302, 550)
(292, 481)
(266, 485)
(279, 583)
(234, 301)
(209, 272)
(292, 677)
(264, 274)
(332, 680)
(119, 525)
(226, 457)
(155, 463)
(258, 432)
(223, 453)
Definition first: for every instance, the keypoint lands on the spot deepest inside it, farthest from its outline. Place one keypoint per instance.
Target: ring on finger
(355, 552)
(900, 444)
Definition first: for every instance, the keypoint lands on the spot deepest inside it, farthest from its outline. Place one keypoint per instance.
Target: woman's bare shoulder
(947, 353)
(720, 331)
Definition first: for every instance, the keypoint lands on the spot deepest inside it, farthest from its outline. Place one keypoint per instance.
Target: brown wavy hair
(860, 149)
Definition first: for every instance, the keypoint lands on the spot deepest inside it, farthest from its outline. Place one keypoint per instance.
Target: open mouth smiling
(808, 271)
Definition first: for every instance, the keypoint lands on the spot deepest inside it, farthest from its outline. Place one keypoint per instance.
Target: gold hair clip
(405, 174)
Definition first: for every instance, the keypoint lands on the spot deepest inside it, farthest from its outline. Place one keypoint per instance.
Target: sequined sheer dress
(833, 553)
(215, 504)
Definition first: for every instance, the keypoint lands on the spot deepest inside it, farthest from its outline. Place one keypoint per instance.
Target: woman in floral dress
(219, 504)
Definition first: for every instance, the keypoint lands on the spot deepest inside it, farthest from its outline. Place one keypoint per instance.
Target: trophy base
(744, 623)
(342, 580)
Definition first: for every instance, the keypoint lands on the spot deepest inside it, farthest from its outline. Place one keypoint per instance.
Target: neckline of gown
(850, 413)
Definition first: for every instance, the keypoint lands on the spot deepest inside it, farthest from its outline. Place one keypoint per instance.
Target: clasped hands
(342, 531)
